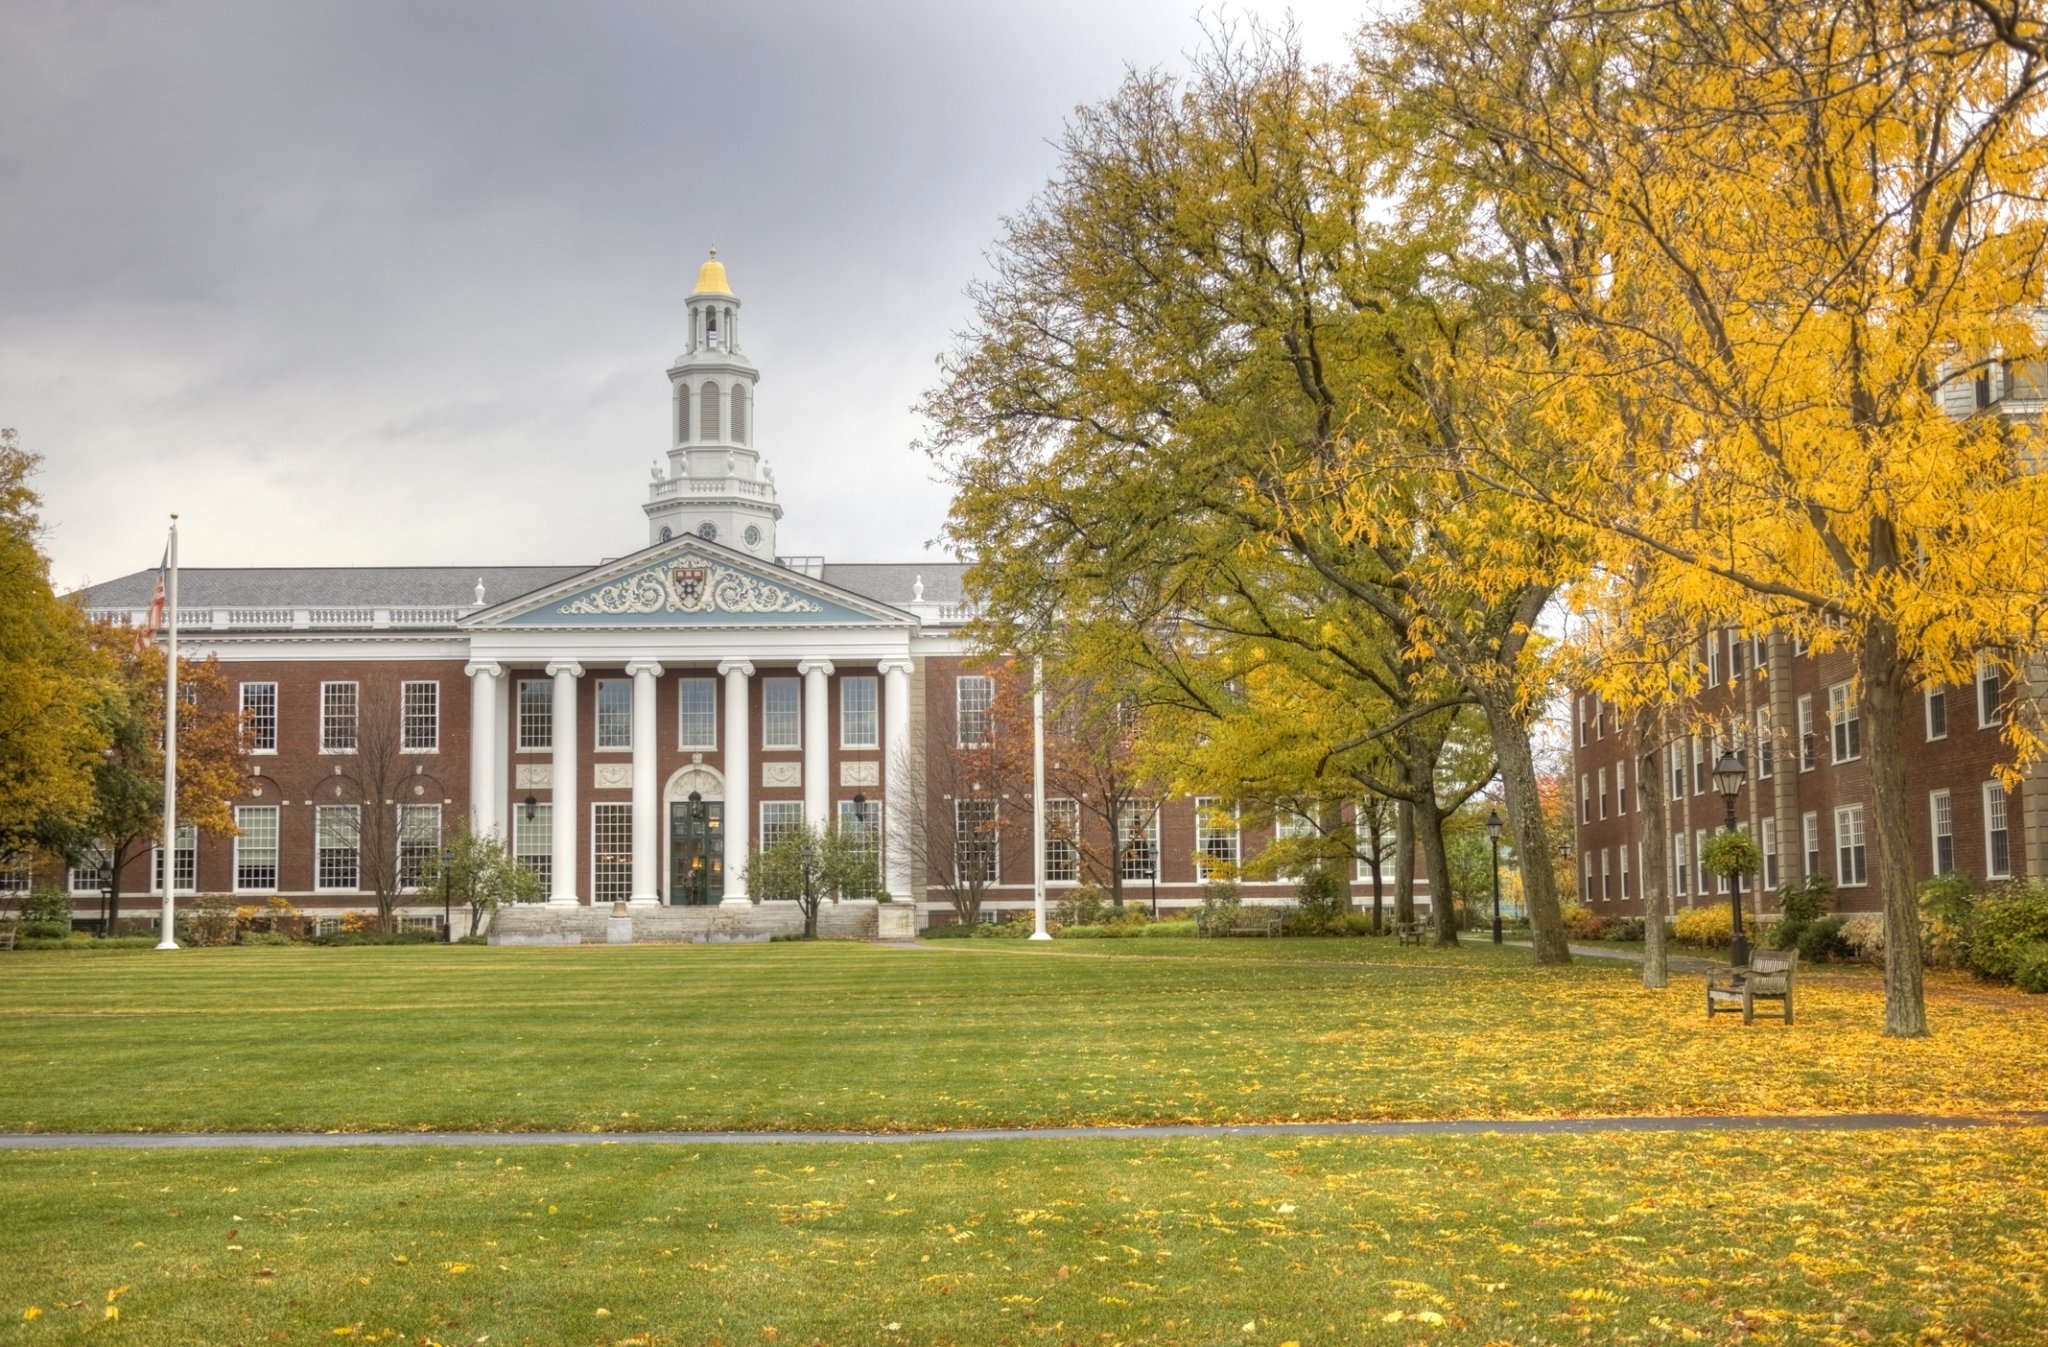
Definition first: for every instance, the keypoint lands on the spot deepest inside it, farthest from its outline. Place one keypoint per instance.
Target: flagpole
(169, 850)
(1038, 798)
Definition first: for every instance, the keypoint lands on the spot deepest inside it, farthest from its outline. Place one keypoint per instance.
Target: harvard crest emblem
(689, 584)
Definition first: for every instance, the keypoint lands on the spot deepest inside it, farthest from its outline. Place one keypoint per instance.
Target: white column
(739, 795)
(646, 783)
(562, 779)
(897, 774)
(483, 745)
(817, 742)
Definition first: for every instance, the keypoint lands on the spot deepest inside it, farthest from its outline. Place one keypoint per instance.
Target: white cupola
(716, 485)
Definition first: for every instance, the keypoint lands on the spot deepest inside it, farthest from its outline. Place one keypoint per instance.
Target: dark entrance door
(696, 850)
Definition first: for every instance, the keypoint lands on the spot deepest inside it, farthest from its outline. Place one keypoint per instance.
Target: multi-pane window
(975, 698)
(533, 842)
(1736, 647)
(1215, 839)
(1809, 835)
(1585, 721)
(1849, 853)
(536, 716)
(862, 822)
(1699, 766)
(1585, 798)
(1942, 807)
(614, 713)
(1603, 792)
(975, 842)
(1847, 722)
(1137, 840)
(1062, 841)
(1606, 875)
(259, 717)
(1678, 864)
(1699, 860)
(93, 873)
(1988, 708)
(419, 717)
(782, 721)
(1769, 845)
(1997, 841)
(611, 853)
(1766, 745)
(1806, 747)
(778, 819)
(184, 865)
(1713, 659)
(859, 726)
(337, 717)
(1937, 713)
(1624, 874)
(17, 873)
(697, 713)
(256, 848)
(338, 841)
(1677, 754)
(419, 837)
(1586, 881)
(1621, 787)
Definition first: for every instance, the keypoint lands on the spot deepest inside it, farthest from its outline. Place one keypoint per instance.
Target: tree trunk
(1525, 821)
(1882, 674)
(1404, 862)
(1378, 894)
(1429, 826)
(1656, 867)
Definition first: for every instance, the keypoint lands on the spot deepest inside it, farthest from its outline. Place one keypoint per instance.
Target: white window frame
(1845, 724)
(1679, 877)
(94, 883)
(1585, 798)
(1997, 811)
(419, 727)
(1809, 842)
(247, 841)
(419, 837)
(1766, 745)
(186, 871)
(969, 844)
(254, 718)
(1062, 841)
(1699, 862)
(867, 817)
(974, 698)
(1699, 768)
(1852, 859)
(1676, 754)
(1215, 846)
(1603, 792)
(1929, 699)
(1767, 842)
(1606, 874)
(611, 866)
(349, 819)
(1714, 659)
(853, 719)
(1808, 758)
(1134, 861)
(706, 688)
(533, 841)
(1941, 824)
(534, 716)
(331, 716)
(17, 873)
(611, 729)
(1586, 881)
(776, 720)
(1624, 872)
(777, 818)
(1988, 685)
(1621, 786)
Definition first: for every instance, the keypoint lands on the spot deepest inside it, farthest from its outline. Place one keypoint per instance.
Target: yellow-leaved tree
(1770, 231)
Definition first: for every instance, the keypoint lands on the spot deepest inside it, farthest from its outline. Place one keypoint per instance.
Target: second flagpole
(168, 850)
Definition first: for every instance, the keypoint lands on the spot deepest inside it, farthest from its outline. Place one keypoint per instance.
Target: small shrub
(374, 937)
(1625, 928)
(954, 930)
(2007, 919)
(1177, 929)
(1865, 937)
(1822, 940)
(42, 930)
(1220, 903)
(1582, 923)
(1083, 932)
(1357, 923)
(1707, 927)
(211, 920)
(781, 936)
(1948, 920)
(355, 922)
(471, 940)
(1321, 902)
(1080, 907)
(1806, 901)
(44, 904)
(2030, 969)
(1008, 928)
(264, 938)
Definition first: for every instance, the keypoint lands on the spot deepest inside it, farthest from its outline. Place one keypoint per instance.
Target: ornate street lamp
(1729, 774)
(1493, 837)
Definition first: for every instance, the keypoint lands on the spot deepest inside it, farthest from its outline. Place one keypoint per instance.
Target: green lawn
(1757, 1238)
(841, 1035)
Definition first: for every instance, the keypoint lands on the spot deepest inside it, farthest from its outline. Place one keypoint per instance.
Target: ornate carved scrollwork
(691, 584)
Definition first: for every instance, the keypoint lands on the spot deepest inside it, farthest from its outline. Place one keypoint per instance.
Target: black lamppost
(860, 827)
(1729, 774)
(447, 906)
(1493, 837)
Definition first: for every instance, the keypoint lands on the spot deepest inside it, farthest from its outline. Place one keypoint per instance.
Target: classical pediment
(688, 583)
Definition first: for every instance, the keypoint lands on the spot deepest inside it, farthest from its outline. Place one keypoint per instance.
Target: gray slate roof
(450, 586)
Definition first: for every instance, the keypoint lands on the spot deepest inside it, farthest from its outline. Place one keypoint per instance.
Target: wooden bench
(1244, 921)
(1769, 977)
(1408, 932)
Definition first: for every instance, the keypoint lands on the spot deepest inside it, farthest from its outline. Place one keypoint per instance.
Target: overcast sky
(383, 283)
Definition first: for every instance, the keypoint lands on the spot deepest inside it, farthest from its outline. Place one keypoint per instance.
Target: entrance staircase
(541, 924)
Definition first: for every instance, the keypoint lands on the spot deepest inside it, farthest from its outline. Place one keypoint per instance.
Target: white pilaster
(897, 774)
(646, 783)
(484, 794)
(817, 742)
(739, 795)
(567, 857)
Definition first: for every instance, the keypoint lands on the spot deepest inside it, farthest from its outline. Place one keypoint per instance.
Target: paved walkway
(205, 1141)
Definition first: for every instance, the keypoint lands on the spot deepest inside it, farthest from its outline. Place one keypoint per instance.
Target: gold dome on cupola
(711, 277)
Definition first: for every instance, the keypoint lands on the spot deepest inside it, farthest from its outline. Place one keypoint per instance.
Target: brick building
(633, 729)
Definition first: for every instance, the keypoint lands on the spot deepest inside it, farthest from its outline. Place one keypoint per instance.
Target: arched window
(739, 414)
(682, 413)
(707, 415)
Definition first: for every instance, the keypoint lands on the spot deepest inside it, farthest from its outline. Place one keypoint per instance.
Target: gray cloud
(350, 283)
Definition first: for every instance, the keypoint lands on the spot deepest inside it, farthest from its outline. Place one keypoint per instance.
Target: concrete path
(1828, 1122)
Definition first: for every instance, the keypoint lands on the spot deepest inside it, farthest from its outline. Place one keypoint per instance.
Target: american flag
(145, 635)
